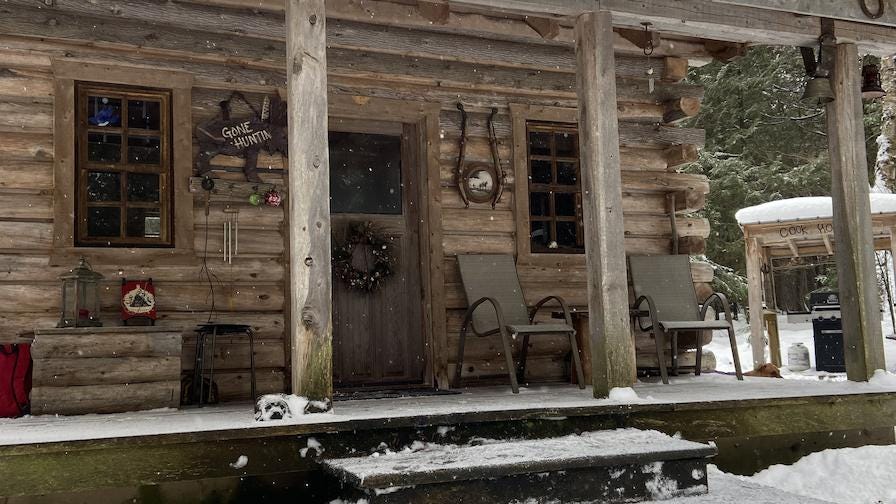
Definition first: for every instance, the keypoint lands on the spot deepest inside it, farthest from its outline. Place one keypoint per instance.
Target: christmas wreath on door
(365, 245)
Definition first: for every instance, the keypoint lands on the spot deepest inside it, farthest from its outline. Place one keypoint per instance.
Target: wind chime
(648, 51)
(231, 233)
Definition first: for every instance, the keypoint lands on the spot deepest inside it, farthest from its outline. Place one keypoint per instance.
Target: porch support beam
(310, 327)
(859, 301)
(612, 347)
(754, 299)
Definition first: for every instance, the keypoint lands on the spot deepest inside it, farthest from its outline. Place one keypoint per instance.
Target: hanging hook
(873, 15)
(648, 40)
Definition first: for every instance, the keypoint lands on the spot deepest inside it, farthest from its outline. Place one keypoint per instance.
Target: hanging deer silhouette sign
(244, 137)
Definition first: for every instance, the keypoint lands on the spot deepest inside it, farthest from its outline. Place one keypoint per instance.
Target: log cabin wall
(229, 48)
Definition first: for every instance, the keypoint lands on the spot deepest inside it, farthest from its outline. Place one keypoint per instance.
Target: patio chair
(665, 285)
(492, 280)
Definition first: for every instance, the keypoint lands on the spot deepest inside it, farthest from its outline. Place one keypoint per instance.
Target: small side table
(215, 330)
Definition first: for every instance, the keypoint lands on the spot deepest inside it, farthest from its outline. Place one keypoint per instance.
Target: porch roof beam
(847, 11)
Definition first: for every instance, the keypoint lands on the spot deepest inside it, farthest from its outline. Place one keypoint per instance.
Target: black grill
(827, 331)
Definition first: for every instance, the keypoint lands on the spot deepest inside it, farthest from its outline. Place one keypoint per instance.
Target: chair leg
(734, 353)
(460, 356)
(524, 352)
(508, 355)
(699, 357)
(576, 361)
(660, 337)
(674, 353)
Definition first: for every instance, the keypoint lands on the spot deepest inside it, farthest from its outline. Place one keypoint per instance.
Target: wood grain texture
(613, 356)
(82, 400)
(859, 296)
(309, 212)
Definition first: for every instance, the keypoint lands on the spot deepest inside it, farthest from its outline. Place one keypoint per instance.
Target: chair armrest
(498, 312)
(726, 307)
(637, 313)
(560, 301)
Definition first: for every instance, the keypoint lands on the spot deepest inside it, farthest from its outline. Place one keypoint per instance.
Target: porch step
(604, 466)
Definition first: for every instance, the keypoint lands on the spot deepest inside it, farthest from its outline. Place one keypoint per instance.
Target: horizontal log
(233, 353)
(15, 84)
(26, 206)
(234, 385)
(26, 175)
(105, 371)
(478, 243)
(256, 242)
(25, 147)
(266, 326)
(494, 371)
(83, 400)
(23, 115)
(465, 220)
(24, 236)
(107, 345)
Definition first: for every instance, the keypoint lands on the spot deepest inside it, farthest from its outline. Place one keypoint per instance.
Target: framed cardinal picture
(138, 302)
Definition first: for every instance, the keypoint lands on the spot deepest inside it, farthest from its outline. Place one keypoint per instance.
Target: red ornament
(272, 198)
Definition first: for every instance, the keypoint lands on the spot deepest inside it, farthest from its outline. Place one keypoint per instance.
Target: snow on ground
(789, 334)
(865, 475)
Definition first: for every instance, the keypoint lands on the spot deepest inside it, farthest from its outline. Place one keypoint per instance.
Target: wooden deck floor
(46, 454)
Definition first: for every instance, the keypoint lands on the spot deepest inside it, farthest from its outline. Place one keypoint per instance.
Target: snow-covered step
(612, 465)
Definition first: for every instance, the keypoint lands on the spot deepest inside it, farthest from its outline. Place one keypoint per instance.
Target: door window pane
(103, 186)
(144, 114)
(565, 204)
(567, 173)
(541, 172)
(539, 204)
(104, 111)
(103, 221)
(567, 234)
(541, 235)
(567, 144)
(143, 187)
(103, 148)
(539, 143)
(365, 173)
(144, 150)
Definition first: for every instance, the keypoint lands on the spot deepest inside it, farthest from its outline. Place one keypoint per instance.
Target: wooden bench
(612, 465)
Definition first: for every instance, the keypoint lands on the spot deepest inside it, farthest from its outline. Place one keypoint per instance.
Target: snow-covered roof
(810, 208)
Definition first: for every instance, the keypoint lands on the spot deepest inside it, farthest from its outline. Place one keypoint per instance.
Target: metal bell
(871, 88)
(818, 91)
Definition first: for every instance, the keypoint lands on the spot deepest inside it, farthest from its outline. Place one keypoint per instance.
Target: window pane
(539, 143)
(103, 186)
(103, 111)
(539, 204)
(567, 173)
(103, 148)
(143, 187)
(541, 172)
(567, 144)
(565, 204)
(566, 234)
(144, 223)
(103, 222)
(365, 173)
(144, 114)
(144, 150)
(540, 235)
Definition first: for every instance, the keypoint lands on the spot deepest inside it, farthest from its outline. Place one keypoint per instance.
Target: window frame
(521, 115)
(83, 166)
(68, 71)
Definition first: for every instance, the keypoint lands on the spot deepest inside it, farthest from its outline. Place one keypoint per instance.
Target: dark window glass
(144, 150)
(541, 172)
(539, 204)
(565, 204)
(541, 235)
(567, 173)
(103, 222)
(144, 114)
(567, 144)
(103, 186)
(566, 234)
(104, 111)
(103, 148)
(365, 173)
(144, 223)
(539, 143)
(143, 187)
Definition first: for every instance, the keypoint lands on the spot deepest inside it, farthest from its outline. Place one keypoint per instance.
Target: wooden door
(378, 336)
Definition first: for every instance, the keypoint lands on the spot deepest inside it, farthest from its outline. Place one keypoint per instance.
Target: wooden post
(754, 299)
(613, 351)
(311, 329)
(859, 300)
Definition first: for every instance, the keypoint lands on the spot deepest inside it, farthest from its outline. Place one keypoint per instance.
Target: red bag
(15, 380)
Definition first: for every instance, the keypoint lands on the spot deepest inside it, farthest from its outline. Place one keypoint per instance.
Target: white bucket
(798, 357)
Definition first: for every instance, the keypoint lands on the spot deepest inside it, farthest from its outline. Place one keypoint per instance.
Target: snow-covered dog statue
(283, 406)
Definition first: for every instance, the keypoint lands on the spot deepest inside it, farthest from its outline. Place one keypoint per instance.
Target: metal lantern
(80, 297)
(871, 88)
